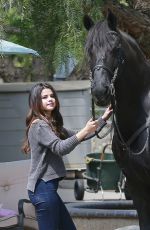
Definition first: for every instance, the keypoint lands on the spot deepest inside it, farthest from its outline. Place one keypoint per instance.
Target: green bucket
(102, 171)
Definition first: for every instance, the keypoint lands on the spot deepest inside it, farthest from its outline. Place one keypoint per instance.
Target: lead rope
(93, 116)
(126, 145)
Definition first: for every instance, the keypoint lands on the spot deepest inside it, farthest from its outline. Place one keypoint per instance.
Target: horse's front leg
(142, 204)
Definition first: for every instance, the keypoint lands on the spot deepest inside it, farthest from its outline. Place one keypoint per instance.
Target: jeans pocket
(38, 199)
(32, 197)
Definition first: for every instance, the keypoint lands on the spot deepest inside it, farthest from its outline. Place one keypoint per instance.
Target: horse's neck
(132, 101)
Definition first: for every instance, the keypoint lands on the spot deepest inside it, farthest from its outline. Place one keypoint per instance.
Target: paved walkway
(66, 192)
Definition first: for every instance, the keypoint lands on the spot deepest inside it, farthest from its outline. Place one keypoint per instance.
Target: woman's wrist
(82, 134)
(104, 118)
(101, 120)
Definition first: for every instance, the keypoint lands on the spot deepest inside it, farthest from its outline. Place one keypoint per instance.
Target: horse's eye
(116, 50)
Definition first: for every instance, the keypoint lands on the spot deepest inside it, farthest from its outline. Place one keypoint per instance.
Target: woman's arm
(47, 138)
(107, 113)
(101, 123)
(89, 128)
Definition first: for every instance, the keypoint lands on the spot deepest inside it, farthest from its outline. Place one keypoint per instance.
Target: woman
(48, 141)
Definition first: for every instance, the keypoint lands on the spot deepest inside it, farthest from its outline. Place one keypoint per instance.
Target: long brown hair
(36, 112)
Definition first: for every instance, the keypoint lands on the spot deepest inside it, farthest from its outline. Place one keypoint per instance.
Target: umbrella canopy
(12, 48)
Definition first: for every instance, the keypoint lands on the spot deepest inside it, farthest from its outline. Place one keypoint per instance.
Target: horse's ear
(88, 22)
(112, 20)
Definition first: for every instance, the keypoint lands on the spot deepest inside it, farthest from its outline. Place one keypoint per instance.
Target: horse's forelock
(97, 38)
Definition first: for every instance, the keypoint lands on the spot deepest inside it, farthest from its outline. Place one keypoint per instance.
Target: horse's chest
(135, 167)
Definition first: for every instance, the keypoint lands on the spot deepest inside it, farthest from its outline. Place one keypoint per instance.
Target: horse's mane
(132, 42)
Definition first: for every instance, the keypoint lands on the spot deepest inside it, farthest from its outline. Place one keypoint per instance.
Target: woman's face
(48, 101)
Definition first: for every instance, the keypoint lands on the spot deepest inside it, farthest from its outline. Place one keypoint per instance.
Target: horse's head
(103, 50)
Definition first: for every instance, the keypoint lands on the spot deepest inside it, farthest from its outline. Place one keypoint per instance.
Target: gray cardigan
(47, 150)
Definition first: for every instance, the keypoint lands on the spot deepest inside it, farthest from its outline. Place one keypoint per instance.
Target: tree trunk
(135, 21)
(11, 73)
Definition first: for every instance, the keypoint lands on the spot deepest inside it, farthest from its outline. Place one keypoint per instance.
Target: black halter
(102, 66)
(114, 75)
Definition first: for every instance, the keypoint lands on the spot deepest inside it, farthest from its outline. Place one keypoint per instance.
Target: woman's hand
(90, 127)
(107, 113)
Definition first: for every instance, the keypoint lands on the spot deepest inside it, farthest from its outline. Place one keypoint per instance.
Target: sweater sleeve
(48, 138)
(101, 123)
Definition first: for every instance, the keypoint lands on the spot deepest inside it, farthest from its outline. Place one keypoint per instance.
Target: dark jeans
(50, 210)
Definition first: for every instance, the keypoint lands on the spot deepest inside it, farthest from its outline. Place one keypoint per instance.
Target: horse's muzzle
(101, 99)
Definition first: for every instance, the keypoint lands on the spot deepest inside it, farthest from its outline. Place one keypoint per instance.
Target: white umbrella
(12, 48)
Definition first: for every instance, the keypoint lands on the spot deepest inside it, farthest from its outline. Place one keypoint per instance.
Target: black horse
(120, 75)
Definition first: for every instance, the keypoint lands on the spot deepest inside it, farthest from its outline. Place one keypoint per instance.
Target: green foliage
(72, 35)
(21, 61)
(124, 2)
(52, 27)
(1, 20)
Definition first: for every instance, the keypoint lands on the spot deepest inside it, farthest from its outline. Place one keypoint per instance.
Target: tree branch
(134, 22)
